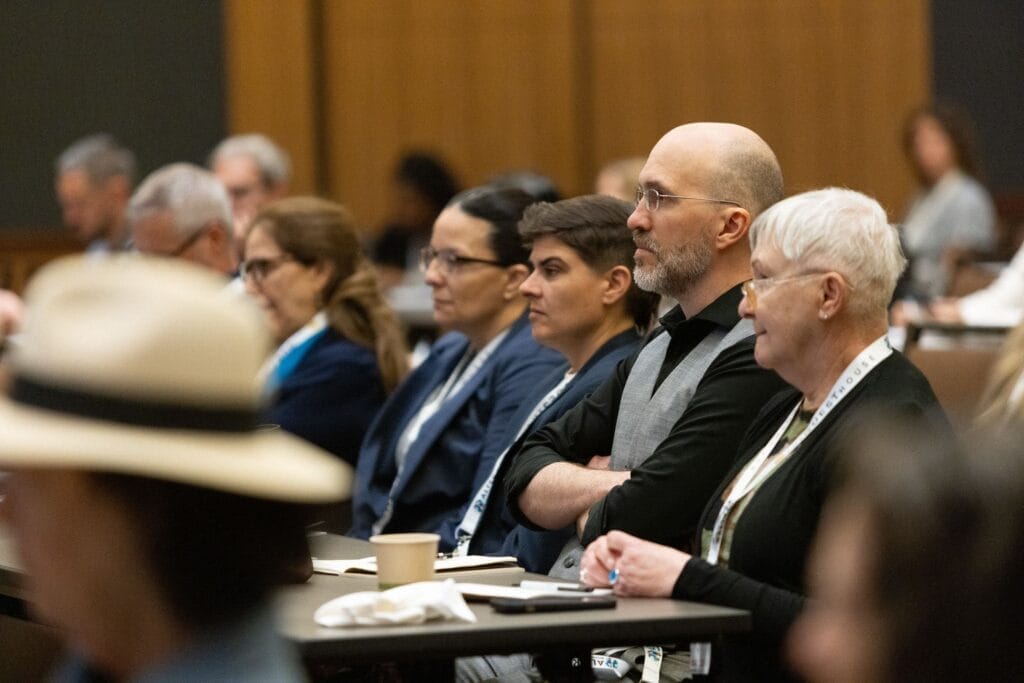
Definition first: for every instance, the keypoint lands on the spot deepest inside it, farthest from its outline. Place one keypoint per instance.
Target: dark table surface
(632, 621)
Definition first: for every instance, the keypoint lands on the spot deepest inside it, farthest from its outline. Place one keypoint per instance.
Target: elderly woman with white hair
(825, 264)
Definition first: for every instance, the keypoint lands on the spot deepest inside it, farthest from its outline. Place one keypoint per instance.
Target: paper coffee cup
(404, 558)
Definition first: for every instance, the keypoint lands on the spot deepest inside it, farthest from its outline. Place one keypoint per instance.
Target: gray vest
(646, 416)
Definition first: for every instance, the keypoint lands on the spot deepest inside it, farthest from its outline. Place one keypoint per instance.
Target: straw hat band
(131, 411)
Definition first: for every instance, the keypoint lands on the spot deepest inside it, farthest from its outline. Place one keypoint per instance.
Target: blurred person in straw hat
(129, 433)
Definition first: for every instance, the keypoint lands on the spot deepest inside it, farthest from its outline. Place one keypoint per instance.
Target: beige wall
(563, 86)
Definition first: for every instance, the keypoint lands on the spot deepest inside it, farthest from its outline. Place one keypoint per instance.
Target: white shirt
(1001, 304)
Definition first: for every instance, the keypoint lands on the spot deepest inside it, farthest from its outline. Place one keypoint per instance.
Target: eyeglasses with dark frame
(450, 261)
(651, 197)
(259, 268)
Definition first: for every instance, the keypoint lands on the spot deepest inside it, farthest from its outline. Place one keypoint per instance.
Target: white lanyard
(754, 473)
(462, 373)
(471, 520)
(315, 326)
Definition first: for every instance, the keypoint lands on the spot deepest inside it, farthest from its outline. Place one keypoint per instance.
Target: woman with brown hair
(952, 212)
(341, 348)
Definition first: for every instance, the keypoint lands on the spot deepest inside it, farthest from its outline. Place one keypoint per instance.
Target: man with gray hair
(93, 180)
(255, 172)
(182, 211)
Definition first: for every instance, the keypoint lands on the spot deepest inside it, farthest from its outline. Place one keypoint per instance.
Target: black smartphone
(554, 603)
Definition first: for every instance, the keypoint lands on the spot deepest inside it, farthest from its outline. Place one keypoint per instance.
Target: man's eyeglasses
(759, 285)
(186, 243)
(449, 261)
(259, 268)
(652, 198)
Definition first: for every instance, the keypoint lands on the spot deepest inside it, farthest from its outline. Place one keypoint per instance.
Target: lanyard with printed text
(755, 472)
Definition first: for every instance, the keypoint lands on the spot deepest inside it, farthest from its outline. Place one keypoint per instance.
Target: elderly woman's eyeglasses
(652, 198)
(449, 261)
(759, 285)
(259, 268)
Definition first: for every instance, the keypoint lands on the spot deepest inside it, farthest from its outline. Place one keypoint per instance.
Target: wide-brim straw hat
(148, 367)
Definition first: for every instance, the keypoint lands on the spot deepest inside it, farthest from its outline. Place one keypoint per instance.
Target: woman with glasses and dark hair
(341, 349)
(422, 460)
(825, 264)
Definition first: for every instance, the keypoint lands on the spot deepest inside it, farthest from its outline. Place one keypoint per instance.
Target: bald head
(724, 160)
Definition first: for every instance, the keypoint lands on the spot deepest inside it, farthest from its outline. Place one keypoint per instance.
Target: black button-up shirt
(663, 499)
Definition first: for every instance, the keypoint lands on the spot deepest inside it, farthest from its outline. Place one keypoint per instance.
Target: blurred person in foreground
(424, 454)
(130, 437)
(915, 572)
(93, 181)
(1001, 405)
(255, 171)
(340, 348)
(825, 264)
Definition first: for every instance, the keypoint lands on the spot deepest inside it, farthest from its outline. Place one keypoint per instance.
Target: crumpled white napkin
(414, 603)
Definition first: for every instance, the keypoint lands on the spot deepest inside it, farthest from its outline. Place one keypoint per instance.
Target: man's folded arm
(548, 484)
(663, 499)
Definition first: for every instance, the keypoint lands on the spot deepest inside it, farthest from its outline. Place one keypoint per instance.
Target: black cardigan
(773, 535)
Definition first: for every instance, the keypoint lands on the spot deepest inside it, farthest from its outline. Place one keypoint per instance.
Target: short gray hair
(840, 230)
(100, 156)
(192, 195)
(273, 163)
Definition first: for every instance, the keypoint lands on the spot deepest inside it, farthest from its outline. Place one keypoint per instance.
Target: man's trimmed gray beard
(675, 271)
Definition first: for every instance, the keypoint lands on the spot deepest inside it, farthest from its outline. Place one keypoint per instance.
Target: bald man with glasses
(645, 451)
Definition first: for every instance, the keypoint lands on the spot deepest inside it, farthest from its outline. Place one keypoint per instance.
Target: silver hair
(100, 156)
(193, 196)
(840, 230)
(273, 163)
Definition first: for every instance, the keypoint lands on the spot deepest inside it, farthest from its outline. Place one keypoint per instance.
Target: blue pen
(613, 576)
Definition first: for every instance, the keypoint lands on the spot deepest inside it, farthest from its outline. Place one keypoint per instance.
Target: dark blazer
(331, 397)
(498, 532)
(447, 463)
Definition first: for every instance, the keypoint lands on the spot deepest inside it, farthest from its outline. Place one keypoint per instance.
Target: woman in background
(952, 213)
(342, 349)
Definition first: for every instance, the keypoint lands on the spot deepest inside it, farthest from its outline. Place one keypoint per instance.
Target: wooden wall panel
(563, 86)
(827, 84)
(488, 85)
(271, 59)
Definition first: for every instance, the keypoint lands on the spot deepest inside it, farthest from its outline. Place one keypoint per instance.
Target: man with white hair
(255, 172)
(94, 178)
(182, 211)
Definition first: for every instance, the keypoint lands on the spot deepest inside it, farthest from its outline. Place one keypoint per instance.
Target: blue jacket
(447, 462)
(331, 397)
(498, 532)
